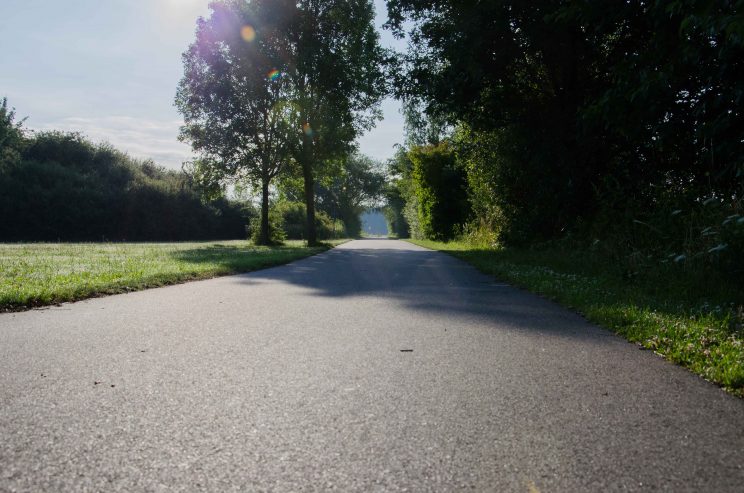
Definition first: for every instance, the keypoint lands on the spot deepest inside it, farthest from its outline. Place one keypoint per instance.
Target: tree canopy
(338, 75)
(352, 185)
(272, 83)
(583, 119)
(236, 102)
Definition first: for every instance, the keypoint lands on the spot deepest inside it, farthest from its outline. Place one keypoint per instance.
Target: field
(686, 321)
(48, 273)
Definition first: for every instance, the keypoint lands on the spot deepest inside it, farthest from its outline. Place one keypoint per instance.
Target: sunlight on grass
(703, 331)
(47, 273)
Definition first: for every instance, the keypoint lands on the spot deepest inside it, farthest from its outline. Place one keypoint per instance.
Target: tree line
(273, 96)
(58, 186)
(614, 125)
(278, 90)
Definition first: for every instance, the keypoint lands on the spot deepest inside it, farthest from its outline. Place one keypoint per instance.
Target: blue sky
(109, 69)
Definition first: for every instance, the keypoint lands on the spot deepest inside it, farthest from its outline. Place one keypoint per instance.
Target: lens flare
(248, 33)
(274, 74)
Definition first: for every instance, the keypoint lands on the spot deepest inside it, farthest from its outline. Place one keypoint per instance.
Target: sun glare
(248, 33)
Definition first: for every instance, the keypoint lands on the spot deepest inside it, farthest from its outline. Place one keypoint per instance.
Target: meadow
(37, 274)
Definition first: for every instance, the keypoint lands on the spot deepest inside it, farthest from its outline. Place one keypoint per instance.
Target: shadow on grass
(236, 259)
(666, 288)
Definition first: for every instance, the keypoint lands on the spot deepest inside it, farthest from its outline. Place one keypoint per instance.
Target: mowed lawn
(48, 273)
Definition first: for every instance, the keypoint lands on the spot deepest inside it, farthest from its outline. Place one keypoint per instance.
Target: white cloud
(140, 137)
(157, 139)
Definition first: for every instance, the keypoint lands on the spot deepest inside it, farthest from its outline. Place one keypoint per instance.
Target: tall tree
(235, 97)
(338, 78)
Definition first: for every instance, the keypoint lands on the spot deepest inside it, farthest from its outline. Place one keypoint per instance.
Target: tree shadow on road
(424, 281)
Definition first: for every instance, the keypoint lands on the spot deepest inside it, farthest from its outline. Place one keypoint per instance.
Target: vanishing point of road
(376, 366)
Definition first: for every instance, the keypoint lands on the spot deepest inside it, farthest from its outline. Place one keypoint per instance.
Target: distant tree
(355, 185)
(11, 135)
(235, 98)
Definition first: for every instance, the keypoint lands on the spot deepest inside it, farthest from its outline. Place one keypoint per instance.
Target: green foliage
(62, 187)
(412, 218)
(326, 88)
(511, 191)
(291, 219)
(587, 122)
(337, 72)
(393, 212)
(398, 197)
(697, 238)
(440, 190)
(327, 228)
(672, 111)
(276, 234)
(350, 186)
(240, 121)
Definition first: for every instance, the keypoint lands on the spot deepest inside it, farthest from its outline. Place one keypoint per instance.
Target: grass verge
(685, 322)
(47, 273)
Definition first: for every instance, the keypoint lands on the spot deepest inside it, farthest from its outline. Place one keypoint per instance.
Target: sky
(109, 69)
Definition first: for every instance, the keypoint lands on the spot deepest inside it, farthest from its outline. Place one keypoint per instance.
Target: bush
(287, 221)
(411, 216)
(62, 187)
(276, 226)
(688, 235)
(327, 228)
(293, 219)
(440, 188)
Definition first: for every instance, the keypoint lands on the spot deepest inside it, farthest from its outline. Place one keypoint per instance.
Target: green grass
(48, 273)
(687, 321)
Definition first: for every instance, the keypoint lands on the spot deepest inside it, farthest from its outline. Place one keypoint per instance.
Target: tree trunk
(264, 238)
(307, 174)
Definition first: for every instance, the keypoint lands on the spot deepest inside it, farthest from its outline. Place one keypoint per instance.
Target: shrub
(440, 188)
(62, 187)
(277, 233)
(287, 221)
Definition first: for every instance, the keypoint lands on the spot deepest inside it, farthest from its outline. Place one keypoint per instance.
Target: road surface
(377, 366)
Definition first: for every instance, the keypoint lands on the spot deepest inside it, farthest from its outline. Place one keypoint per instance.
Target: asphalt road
(377, 366)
